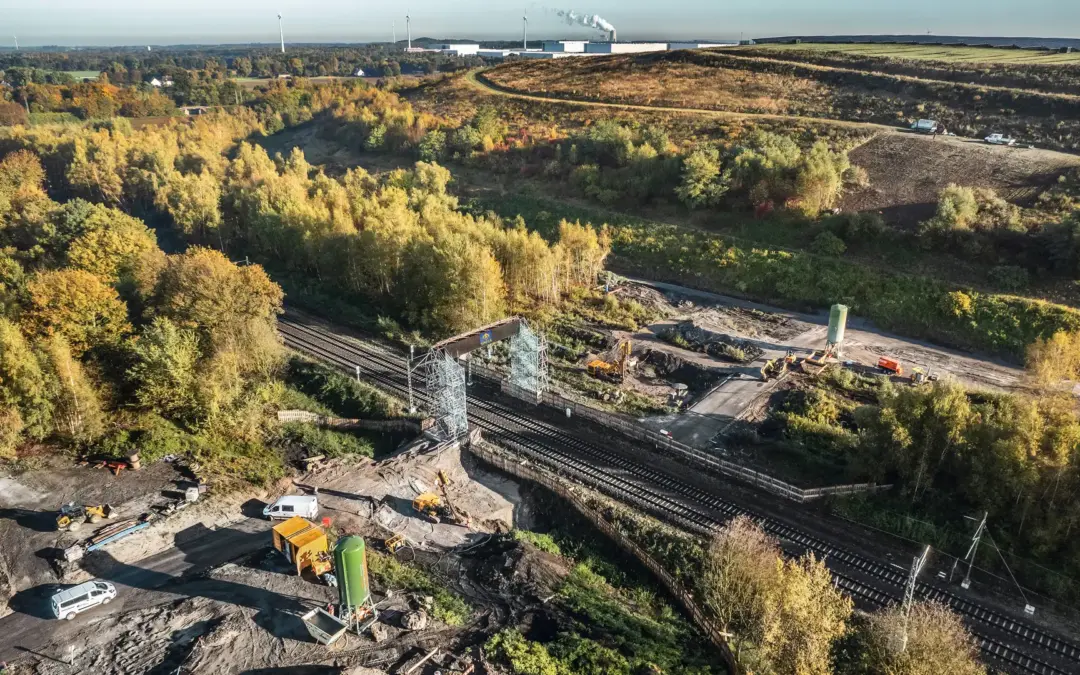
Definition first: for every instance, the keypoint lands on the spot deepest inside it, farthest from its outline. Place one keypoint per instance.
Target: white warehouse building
(624, 47)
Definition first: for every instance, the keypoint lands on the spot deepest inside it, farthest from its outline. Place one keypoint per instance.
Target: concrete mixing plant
(355, 610)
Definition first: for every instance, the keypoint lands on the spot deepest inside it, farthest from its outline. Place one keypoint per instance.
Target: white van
(66, 604)
(298, 505)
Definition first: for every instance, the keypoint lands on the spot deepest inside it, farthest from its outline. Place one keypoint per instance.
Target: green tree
(703, 183)
(165, 369)
(433, 146)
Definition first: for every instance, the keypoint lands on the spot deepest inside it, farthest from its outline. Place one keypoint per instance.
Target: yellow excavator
(72, 515)
(612, 366)
(439, 509)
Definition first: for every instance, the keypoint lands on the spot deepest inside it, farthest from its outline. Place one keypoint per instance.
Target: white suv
(67, 603)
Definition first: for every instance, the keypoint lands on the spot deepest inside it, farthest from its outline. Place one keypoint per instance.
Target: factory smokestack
(595, 21)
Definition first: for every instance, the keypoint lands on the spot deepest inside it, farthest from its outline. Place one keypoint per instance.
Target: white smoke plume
(596, 21)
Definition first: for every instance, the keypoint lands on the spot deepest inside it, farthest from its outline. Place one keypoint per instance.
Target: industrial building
(624, 47)
(557, 49)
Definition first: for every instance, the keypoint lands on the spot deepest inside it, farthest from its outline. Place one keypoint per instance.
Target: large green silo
(350, 567)
(837, 324)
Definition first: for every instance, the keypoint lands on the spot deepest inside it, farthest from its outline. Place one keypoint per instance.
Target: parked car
(999, 139)
(67, 603)
(928, 127)
(296, 505)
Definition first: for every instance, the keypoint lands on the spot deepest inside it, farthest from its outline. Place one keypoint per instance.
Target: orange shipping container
(890, 365)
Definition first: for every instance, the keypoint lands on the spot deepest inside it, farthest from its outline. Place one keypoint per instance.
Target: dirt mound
(907, 172)
(717, 345)
(518, 571)
(696, 377)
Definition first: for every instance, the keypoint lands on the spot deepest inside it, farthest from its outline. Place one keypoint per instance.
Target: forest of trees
(107, 338)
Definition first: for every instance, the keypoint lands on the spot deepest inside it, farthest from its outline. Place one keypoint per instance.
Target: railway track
(673, 500)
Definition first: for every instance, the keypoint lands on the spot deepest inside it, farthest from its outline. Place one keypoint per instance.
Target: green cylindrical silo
(837, 323)
(350, 567)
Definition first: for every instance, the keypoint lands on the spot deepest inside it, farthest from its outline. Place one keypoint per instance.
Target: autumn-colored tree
(1055, 359)
(111, 245)
(230, 307)
(784, 615)
(76, 305)
(24, 399)
(937, 642)
(12, 114)
(78, 414)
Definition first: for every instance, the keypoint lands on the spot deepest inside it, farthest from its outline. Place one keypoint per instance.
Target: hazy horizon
(131, 22)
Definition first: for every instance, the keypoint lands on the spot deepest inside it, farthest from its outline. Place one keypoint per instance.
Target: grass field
(81, 75)
(947, 54)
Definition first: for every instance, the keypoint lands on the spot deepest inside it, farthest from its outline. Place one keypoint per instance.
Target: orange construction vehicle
(612, 366)
(304, 544)
(890, 366)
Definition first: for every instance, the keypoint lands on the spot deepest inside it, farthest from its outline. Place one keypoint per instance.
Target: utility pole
(909, 594)
(970, 557)
(408, 378)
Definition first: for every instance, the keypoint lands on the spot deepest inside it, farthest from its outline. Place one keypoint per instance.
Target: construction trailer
(304, 544)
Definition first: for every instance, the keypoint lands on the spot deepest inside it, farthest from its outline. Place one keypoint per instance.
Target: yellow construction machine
(430, 506)
(439, 509)
(72, 515)
(774, 368)
(612, 366)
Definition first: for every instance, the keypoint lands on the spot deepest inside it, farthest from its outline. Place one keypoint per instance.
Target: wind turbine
(525, 34)
(408, 30)
(281, 32)
(16, 42)
(393, 24)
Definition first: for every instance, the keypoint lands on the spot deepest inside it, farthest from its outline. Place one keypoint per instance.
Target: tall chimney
(613, 35)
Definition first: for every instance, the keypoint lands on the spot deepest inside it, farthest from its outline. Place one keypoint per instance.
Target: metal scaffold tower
(446, 387)
(528, 361)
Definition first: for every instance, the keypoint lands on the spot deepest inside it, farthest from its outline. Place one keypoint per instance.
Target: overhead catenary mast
(281, 32)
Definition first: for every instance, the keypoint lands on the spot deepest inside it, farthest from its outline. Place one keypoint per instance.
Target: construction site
(413, 563)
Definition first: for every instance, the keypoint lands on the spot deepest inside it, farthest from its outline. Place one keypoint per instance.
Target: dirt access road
(152, 581)
(803, 334)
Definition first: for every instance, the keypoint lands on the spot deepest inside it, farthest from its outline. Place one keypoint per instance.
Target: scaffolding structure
(528, 361)
(446, 387)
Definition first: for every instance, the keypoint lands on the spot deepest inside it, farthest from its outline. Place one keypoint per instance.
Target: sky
(137, 22)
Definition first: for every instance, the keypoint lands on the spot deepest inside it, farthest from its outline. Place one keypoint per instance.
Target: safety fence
(520, 468)
(405, 426)
(664, 443)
